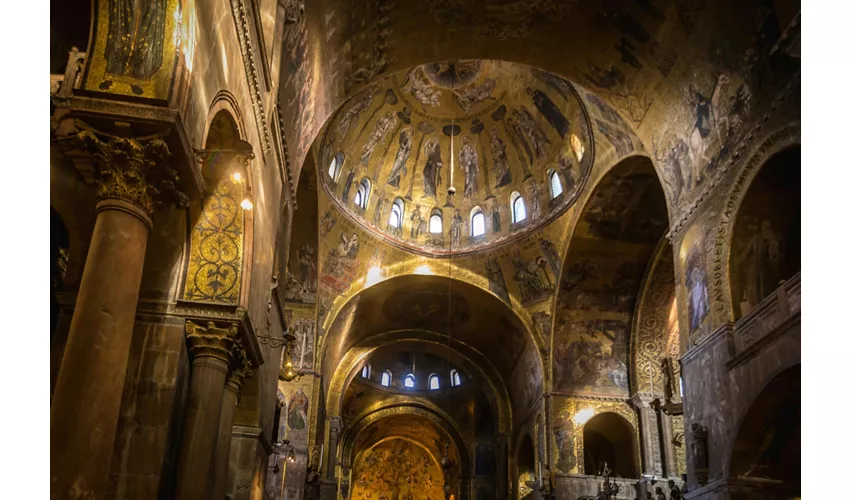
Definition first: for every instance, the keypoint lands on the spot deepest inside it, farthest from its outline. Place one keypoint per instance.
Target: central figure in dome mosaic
(492, 130)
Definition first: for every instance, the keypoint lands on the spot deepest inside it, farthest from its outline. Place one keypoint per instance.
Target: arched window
(517, 208)
(397, 213)
(476, 220)
(433, 382)
(410, 380)
(366, 372)
(362, 195)
(455, 376)
(555, 184)
(336, 166)
(386, 378)
(435, 225)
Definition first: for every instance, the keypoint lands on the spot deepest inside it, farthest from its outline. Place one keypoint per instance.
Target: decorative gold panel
(214, 273)
(135, 47)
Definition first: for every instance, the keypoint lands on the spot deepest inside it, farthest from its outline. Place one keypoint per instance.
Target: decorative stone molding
(243, 31)
(132, 170)
(211, 340)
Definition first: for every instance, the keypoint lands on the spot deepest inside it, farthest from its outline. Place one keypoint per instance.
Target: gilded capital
(211, 340)
(134, 171)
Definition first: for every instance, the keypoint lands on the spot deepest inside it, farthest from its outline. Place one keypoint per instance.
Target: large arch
(420, 303)
(426, 342)
(610, 439)
(765, 245)
(427, 426)
(766, 447)
(607, 257)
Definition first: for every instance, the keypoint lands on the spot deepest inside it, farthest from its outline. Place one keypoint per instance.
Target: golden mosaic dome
(513, 141)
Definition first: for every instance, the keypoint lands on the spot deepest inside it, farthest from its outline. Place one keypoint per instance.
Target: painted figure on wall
(529, 133)
(564, 432)
(420, 88)
(298, 405)
(621, 141)
(496, 280)
(341, 263)
(551, 254)
(593, 361)
(383, 127)
(496, 217)
(433, 165)
(533, 279)
(457, 224)
(405, 141)
(534, 200)
(416, 223)
(352, 113)
(135, 40)
(759, 255)
(697, 284)
(326, 224)
(501, 170)
(676, 167)
(549, 111)
(346, 190)
(307, 266)
(474, 94)
(469, 162)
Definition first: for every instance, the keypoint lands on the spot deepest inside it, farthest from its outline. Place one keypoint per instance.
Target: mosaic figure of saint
(501, 171)
(351, 114)
(383, 126)
(416, 223)
(469, 163)
(420, 88)
(549, 111)
(433, 165)
(298, 406)
(530, 133)
(457, 223)
(405, 141)
(134, 42)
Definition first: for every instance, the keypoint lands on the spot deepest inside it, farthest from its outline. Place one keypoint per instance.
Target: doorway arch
(609, 438)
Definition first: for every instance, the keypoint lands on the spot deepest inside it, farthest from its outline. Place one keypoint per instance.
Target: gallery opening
(431, 250)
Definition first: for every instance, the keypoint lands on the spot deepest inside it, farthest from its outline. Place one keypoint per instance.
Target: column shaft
(87, 398)
(203, 413)
(225, 432)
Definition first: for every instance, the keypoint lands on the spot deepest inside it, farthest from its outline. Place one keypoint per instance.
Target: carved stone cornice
(211, 340)
(133, 170)
(243, 31)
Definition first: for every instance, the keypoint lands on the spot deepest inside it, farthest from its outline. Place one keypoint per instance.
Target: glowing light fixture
(287, 370)
(246, 204)
(236, 177)
(583, 415)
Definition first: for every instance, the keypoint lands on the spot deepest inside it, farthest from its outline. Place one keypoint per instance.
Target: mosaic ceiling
(494, 130)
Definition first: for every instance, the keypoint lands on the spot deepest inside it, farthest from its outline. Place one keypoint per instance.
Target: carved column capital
(241, 368)
(211, 340)
(133, 170)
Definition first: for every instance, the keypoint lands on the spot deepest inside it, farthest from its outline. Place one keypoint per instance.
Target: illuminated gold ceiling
(512, 127)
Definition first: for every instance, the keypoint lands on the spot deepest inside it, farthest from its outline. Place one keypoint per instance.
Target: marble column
(132, 181)
(671, 468)
(209, 347)
(649, 436)
(240, 369)
(334, 430)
